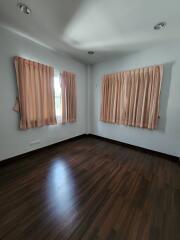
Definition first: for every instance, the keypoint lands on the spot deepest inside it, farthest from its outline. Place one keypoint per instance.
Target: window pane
(58, 105)
(57, 86)
(57, 90)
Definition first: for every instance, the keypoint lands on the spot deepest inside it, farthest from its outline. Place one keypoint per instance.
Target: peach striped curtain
(68, 88)
(132, 97)
(36, 101)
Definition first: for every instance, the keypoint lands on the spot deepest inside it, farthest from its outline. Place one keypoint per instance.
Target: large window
(58, 101)
(132, 97)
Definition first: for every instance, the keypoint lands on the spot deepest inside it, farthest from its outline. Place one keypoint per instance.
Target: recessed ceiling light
(160, 26)
(24, 8)
(90, 52)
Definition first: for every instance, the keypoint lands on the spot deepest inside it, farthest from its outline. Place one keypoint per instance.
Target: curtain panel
(68, 88)
(132, 97)
(36, 101)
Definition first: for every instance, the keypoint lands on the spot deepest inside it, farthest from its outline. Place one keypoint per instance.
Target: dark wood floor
(90, 189)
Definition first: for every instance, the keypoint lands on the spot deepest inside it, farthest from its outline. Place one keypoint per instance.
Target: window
(34, 88)
(132, 97)
(57, 89)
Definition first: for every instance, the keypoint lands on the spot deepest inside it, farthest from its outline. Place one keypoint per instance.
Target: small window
(57, 89)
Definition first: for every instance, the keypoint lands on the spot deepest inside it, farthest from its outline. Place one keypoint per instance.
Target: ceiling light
(24, 8)
(90, 52)
(160, 26)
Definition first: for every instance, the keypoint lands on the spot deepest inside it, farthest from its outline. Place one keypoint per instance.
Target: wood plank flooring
(90, 189)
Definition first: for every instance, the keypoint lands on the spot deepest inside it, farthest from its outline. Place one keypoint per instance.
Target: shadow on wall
(165, 95)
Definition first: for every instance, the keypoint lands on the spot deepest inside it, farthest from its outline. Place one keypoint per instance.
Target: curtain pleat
(36, 101)
(68, 88)
(132, 97)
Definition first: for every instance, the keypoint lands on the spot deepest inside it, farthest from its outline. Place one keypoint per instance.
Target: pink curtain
(36, 101)
(132, 97)
(68, 88)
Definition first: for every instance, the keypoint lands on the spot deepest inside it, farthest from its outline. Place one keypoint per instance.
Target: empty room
(89, 120)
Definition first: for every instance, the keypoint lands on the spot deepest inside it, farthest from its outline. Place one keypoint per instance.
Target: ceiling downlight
(160, 26)
(91, 52)
(24, 8)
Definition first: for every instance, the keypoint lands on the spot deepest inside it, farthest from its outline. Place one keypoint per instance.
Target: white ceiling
(109, 27)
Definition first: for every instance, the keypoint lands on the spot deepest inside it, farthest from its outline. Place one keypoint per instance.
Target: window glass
(57, 89)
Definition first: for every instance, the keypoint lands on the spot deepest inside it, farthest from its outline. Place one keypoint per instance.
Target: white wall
(12, 140)
(167, 138)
